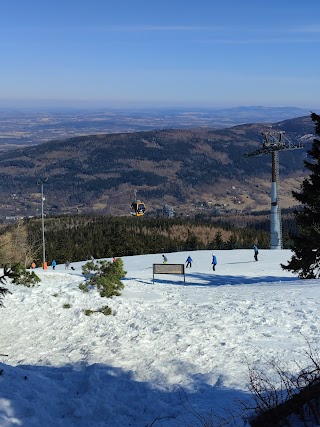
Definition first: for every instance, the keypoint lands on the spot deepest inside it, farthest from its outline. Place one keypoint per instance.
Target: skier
(189, 261)
(256, 252)
(214, 262)
(54, 263)
(67, 265)
(165, 259)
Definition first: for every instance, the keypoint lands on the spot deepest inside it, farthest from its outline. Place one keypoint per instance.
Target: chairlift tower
(273, 142)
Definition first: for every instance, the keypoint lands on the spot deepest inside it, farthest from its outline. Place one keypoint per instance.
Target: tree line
(78, 237)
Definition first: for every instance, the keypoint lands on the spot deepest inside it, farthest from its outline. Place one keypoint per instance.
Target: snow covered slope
(169, 350)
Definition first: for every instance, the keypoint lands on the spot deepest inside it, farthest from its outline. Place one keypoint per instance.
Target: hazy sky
(161, 52)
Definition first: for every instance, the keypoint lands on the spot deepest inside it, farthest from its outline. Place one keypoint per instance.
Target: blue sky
(161, 53)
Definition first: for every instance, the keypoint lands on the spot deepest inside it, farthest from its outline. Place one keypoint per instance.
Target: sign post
(169, 269)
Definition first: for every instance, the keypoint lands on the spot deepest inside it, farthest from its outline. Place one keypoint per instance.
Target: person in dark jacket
(189, 261)
(165, 259)
(256, 252)
(214, 262)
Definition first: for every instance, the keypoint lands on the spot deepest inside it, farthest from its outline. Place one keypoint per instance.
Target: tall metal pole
(275, 225)
(42, 221)
(44, 264)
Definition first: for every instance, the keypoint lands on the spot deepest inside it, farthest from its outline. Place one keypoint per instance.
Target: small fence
(169, 269)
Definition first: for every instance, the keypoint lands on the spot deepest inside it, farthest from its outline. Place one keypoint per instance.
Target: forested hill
(189, 169)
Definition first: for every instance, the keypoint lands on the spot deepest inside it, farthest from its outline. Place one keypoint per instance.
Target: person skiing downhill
(214, 262)
(256, 252)
(165, 259)
(54, 263)
(188, 262)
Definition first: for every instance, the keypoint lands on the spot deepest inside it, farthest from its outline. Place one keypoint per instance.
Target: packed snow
(171, 352)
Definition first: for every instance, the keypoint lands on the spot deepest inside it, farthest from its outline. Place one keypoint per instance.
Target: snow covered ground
(170, 351)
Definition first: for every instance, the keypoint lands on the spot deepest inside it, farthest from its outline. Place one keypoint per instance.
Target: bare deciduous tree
(17, 247)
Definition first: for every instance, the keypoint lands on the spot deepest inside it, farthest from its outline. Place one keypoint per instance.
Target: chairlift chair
(137, 207)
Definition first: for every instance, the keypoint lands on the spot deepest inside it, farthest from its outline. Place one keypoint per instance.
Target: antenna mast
(274, 142)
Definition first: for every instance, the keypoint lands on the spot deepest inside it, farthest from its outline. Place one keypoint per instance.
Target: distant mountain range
(28, 127)
(194, 170)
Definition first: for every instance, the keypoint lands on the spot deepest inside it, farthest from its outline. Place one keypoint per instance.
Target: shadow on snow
(213, 279)
(99, 395)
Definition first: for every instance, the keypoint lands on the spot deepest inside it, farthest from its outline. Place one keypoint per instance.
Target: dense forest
(79, 237)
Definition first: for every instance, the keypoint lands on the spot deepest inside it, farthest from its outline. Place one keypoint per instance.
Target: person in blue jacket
(189, 261)
(214, 262)
(54, 263)
(256, 252)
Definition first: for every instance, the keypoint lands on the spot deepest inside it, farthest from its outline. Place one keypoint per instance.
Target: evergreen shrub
(83, 287)
(88, 312)
(21, 276)
(105, 276)
(106, 310)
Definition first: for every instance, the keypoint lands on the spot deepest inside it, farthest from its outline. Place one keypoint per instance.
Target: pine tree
(218, 240)
(232, 242)
(306, 244)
